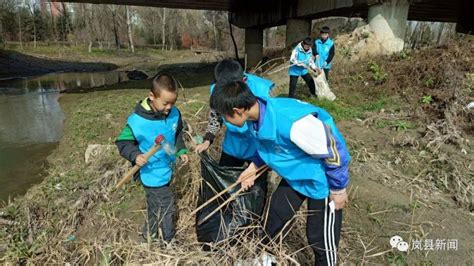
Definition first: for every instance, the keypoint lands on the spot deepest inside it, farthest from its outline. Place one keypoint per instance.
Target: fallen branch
(263, 169)
(8, 222)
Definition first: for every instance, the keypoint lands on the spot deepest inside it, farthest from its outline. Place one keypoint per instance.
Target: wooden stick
(135, 168)
(233, 197)
(280, 69)
(262, 168)
(260, 66)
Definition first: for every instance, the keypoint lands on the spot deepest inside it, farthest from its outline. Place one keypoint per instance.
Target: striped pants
(323, 226)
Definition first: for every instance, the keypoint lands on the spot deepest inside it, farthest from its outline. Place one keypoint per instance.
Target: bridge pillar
(253, 46)
(297, 30)
(389, 22)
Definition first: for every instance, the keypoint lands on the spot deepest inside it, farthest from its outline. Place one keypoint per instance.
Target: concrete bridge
(387, 18)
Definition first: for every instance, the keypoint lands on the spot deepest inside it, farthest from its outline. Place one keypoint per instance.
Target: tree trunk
(163, 28)
(53, 25)
(65, 23)
(88, 20)
(129, 29)
(214, 29)
(114, 20)
(34, 27)
(2, 40)
(236, 50)
(34, 35)
(440, 33)
(19, 28)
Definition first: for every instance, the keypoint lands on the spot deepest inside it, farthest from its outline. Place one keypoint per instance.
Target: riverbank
(17, 65)
(29, 61)
(404, 120)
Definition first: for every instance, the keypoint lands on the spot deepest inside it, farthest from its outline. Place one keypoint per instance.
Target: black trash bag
(240, 212)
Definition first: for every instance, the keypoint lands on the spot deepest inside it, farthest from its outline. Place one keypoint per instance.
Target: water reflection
(31, 121)
(31, 118)
(59, 82)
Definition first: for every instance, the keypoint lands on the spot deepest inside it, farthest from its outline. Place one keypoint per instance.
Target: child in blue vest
(302, 144)
(301, 59)
(323, 51)
(153, 116)
(238, 145)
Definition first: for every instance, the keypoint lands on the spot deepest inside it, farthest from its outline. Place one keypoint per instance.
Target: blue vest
(239, 141)
(157, 172)
(303, 57)
(323, 51)
(302, 172)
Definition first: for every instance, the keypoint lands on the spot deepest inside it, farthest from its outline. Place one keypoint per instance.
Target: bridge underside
(266, 13)
(387, 18)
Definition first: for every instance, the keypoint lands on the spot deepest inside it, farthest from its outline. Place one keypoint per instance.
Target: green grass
(378, 73)
(355, 79)
(338, 110)
(429, 82)
(394, 258)
(341, 110)
(80, 53)
(404, 54)
(398, 124)
(80, 49)
(345, 52)
(427, 99)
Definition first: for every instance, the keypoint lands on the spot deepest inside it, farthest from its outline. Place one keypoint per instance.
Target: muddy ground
(409, 134)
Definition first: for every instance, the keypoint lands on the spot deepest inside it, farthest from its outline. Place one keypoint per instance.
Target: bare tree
(2, 38)
(19, 25)
(150, 19)
(65, 23)
(33, 15)
(218, 24)
(89, 15)
(129, 30)
(53, 24)
(2, 41)
(99, 23)
(163, 29)
(214, 30)
(115, 27)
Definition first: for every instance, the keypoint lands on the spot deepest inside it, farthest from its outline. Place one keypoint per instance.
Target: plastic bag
(322, 87)
(240, 212)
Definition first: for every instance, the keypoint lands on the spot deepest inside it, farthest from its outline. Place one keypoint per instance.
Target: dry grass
(75, 215)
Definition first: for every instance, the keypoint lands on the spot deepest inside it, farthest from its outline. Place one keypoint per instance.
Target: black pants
(323, 226)
(309, 81)
(161, 210)
(326, 73)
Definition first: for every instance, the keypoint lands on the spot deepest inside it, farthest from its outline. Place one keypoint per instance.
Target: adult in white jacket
(301, 59)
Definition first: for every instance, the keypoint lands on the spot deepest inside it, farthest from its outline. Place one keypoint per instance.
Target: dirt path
(384, 205)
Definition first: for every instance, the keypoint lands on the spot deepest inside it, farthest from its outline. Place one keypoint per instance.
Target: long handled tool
(263, 168)
(136, 167)
(280, 69)
(233, 197)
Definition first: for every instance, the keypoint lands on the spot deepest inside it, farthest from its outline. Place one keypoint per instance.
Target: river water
(31, 122)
